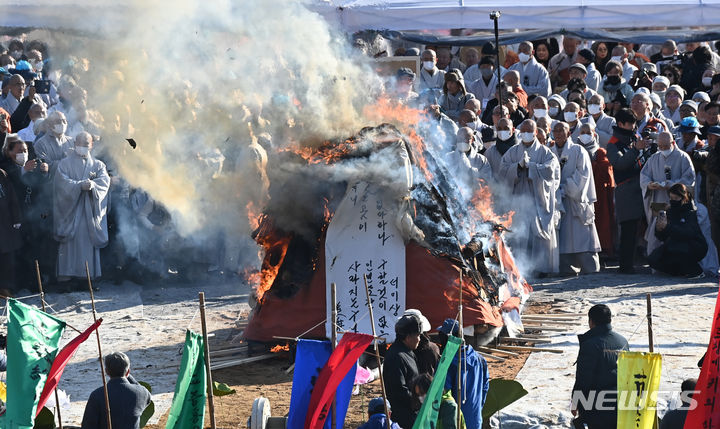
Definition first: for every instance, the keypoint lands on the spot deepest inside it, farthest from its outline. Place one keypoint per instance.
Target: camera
(495, 14)
(649, 135)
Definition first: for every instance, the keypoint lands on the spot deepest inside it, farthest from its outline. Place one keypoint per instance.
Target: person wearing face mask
(533, 76)
(660, 85)
(532, 173)
(681, 242)
(694, 68)
(430, 76)
(578, 73)
(484, 88)
(603, 123)
(663, 169)
(477, 167)
(586, 58)
(578, 241)
(15, 49)
(556, 106)
(80, 203)
(54, 145)
(538, 108)
(469, 119)
(614, 88)
(574, 116)
(505, 139)
(620, 55)
(36, 112)
(448, 408)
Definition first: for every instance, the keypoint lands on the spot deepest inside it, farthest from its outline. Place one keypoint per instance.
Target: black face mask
(613, 80)
(674, 204)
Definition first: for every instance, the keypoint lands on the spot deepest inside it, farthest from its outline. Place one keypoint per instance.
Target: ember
(278, 348)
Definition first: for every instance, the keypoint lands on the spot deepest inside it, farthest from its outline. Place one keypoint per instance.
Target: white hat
(424, 323)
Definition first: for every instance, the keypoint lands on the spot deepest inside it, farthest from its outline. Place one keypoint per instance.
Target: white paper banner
(362, 239)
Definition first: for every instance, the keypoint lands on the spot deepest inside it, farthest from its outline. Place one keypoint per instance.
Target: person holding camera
(683, 245)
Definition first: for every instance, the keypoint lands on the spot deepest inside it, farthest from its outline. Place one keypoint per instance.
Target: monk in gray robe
(579, 241)
(531, 173)
(54, 145)
(80, 200)
(668, 166)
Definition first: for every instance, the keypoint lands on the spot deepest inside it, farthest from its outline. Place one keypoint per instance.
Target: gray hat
(650, 68)
(677, 88)
(701, 96)
(656, 100)
(559, 100)
(690, 103)
(579, 67)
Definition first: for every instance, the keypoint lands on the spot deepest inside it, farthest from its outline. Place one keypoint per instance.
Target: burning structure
(384, 204)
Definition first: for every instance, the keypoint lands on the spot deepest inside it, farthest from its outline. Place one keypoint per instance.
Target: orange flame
(386, 110)
(279, 348)
(276, 245)
(483, 208)
(253, 214)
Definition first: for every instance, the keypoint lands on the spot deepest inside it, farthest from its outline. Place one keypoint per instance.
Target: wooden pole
(377, 352)
(650, 327)
(42, 301)
(333, 343)
(211, 401)
(460, 354)
(100, 355)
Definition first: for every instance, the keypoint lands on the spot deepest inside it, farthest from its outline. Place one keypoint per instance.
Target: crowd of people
(606, 152)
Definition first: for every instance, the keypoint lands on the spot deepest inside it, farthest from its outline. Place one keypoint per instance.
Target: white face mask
(16, 54)
(463, 147)
(59, 129)
(666, 152)
(82, 150)
(617, 58)
(585, 138)
(553, 111)
(38, 66)
(540, 113)
(523, 57)
(570, 116)
(527, 137)
(472, 125)
(504, 135)
(660, 94)
(707, 81)
(21, 158)
(594, 109)
(428, 65)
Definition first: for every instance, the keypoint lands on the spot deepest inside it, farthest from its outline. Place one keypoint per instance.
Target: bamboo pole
(460, 354)
(97, 336)
(211, 401)
(488, 355)
(650, 327)
(333, 341)
(377, 352)
(529, 349)
(42, 301)
(492, 350)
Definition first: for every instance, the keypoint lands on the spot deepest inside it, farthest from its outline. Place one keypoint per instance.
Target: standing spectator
(593, 78)
(683, 245)
(574, 116)
(641, 105)
(128, 399)
(446, 61)
(605, 204)
(620, 55)
(484, 88)
(16, 84)
(615, 89)
(448, 408)
(597, 370)
(602, 55)
(668, 55)
(470, 57)
(624, 154)
(35, 113)
(533, 76)
(430, 76)
(604, 123)
(544, 50)
(711, 168)
(559, 64)
(10, 239)
(400, 369)
(578, 73)
(55, 144)
(505, 139)
(663, 169)
(578, 242)
(474, 379)
(427, 353)
(694, 67)
(659, 87)
(673, 98)
(80, 205)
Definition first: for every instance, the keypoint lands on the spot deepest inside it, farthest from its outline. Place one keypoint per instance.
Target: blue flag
(310, 359)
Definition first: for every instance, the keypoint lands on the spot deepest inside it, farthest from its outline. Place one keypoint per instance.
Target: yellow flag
(3, 392)
(638, 380)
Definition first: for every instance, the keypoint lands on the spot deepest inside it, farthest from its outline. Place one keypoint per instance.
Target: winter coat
(626, 170)
(10, 238)
(398, 372)
(682, 235)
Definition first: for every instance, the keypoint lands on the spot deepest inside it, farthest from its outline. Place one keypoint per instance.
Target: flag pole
(42, 301)
(211, 401)
(651, 342)
(100, 355)
(460, 352)
(377, 352)
(333, 343)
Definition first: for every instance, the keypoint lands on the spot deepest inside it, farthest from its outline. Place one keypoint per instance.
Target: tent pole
(494, 15)
(42, 301)
(211, 400)
(97, 336)
(377, 353)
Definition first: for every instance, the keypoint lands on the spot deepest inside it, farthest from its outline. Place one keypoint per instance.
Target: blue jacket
(378, 421)
(128, 400)
(476, 383)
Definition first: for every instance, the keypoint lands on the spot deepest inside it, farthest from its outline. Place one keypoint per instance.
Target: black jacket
(398, 372)
(128, 400)
(682, 235)
(597, 362)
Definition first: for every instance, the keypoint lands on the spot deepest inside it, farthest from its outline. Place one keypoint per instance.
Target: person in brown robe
(605, 204)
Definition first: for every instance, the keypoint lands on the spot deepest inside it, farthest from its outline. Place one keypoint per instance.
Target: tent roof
(355, 15)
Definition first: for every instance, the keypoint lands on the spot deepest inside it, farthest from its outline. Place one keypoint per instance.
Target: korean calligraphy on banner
(362, 239)
(706, 414)
(638, 380)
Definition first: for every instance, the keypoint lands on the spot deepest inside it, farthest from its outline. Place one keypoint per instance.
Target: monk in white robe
(54, 144)
(466, 165)
(668, 166)
(579, 241)
(530, 172)
(80, 210)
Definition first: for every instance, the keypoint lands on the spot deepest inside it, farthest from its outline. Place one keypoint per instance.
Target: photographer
(683, 245)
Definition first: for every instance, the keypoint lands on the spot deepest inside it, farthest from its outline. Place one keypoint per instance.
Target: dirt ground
(269, 378)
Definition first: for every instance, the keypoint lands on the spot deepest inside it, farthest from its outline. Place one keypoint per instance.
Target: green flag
(428, 415)
(188, 405)
(32, 343)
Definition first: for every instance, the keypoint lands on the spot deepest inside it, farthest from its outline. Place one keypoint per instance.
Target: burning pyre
(468, 233)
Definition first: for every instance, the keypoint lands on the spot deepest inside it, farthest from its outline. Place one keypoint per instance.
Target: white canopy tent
(355, 15)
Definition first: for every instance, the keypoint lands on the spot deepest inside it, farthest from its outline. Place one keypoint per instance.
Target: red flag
(342, 359)
(58, 366)
(706, 413)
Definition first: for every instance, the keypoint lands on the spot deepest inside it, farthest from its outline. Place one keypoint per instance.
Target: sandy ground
(149, 325)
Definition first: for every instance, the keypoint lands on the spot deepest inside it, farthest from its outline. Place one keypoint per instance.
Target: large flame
(275, 243)
(482, 204)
